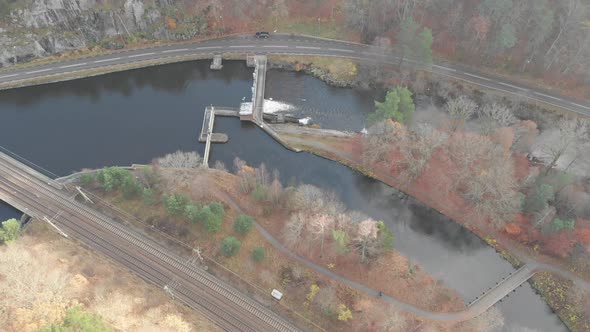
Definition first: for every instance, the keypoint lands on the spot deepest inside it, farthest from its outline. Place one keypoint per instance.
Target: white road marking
(512, 86)
(76, 65)
(309, 47)
(7, 76)
(241, 46)
(340, 50)
(39, 71)
(476, 76)
(177, 50)
(548, 96)
(586, 107)
(277, 46)
(138, 55)
(105, 60)
(445, 68)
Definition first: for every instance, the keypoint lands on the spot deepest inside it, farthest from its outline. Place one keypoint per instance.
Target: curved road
(280, 44)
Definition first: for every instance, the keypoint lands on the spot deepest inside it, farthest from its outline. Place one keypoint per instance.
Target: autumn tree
(416, 150)
(398, 106)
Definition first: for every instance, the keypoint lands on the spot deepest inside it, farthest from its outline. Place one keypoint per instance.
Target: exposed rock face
(46, 27)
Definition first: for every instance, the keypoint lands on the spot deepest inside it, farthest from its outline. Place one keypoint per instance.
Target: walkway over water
(253, 111)
(207, 135)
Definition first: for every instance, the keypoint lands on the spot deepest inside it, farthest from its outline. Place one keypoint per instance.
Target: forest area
(546, 40)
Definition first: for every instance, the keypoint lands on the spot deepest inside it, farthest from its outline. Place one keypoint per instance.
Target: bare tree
(320, 226)
(491, 320)
(464, 151)
(180, 159)
(394, 321)
(417, 149)
(380, 141)
(246, 174)
(220, 166)
(293, 230)
(495, 116)
(327, 299)
(563, 146)
(366, 238)
(460, 110)
(524, 136)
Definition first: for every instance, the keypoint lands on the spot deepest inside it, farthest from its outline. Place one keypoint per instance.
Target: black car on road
(262, 35)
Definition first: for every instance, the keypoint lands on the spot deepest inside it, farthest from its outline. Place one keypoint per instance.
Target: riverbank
(278, 270)
(346, 149)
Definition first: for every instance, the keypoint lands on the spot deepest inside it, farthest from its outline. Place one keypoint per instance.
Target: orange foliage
(170, 23)
(583, 235)
(512, 229)
(505, 137)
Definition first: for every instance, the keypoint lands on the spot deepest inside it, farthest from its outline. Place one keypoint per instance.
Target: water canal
(132, 117)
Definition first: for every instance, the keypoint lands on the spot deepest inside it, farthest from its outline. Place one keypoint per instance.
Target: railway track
(220, 302)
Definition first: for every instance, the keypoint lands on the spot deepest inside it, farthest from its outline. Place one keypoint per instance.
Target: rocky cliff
(31, 29)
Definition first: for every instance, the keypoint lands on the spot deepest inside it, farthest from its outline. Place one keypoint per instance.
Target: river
(134, 116)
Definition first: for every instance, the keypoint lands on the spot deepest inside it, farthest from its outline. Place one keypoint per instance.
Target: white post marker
(276, 294)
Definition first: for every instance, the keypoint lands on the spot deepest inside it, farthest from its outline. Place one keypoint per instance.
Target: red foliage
(560, 244)
(521, 166)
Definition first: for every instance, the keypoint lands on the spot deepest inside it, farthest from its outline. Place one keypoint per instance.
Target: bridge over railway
(41, 197)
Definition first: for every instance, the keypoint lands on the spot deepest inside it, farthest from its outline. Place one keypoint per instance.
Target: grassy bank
(257, 276)
(564, 299)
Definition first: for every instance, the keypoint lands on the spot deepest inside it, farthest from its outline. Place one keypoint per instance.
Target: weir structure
(252, 111)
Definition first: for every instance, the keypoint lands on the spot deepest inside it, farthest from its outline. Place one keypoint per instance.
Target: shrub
(191, 212)
(175, 204)
(78, 320)
(87, 179)
(557, 225)
(259, 193)
(539, 198)
(217, 209)
(258, 254)
(230, 246)
(344, 313)
(210, 220)
(130, 187)
(112, 178)
(10, 230)
(148, 196)
(243, 224)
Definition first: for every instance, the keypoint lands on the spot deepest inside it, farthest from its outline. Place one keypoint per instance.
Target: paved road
(40, 197)
(287, 44)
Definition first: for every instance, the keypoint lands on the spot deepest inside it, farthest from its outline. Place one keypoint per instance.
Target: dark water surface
(135, 116)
